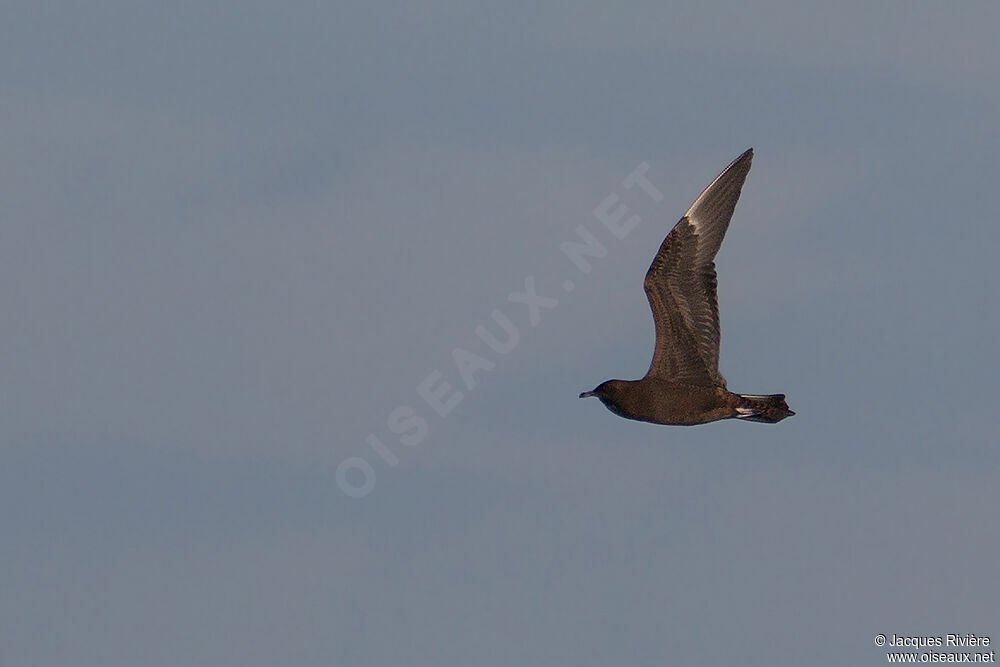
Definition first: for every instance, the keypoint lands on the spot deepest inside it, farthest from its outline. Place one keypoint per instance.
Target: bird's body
(662, 402)
(683, 385)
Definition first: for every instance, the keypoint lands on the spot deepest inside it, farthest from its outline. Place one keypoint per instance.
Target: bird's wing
(681, 284)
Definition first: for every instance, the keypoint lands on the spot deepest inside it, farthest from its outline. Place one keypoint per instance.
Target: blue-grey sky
(236, 237)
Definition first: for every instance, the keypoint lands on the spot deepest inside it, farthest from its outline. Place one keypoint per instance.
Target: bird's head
(608, 391)
(611, 393)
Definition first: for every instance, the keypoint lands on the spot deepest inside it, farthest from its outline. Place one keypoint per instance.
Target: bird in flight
(683, 385)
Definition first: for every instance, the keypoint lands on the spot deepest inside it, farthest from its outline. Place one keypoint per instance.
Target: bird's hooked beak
(587, 394)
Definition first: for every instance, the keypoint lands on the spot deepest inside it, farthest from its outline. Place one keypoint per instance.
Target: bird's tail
(769, 408)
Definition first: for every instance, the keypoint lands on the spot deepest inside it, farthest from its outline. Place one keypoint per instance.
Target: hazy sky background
(235, 236)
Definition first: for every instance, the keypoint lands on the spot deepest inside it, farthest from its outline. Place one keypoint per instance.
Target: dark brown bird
(683, 385)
